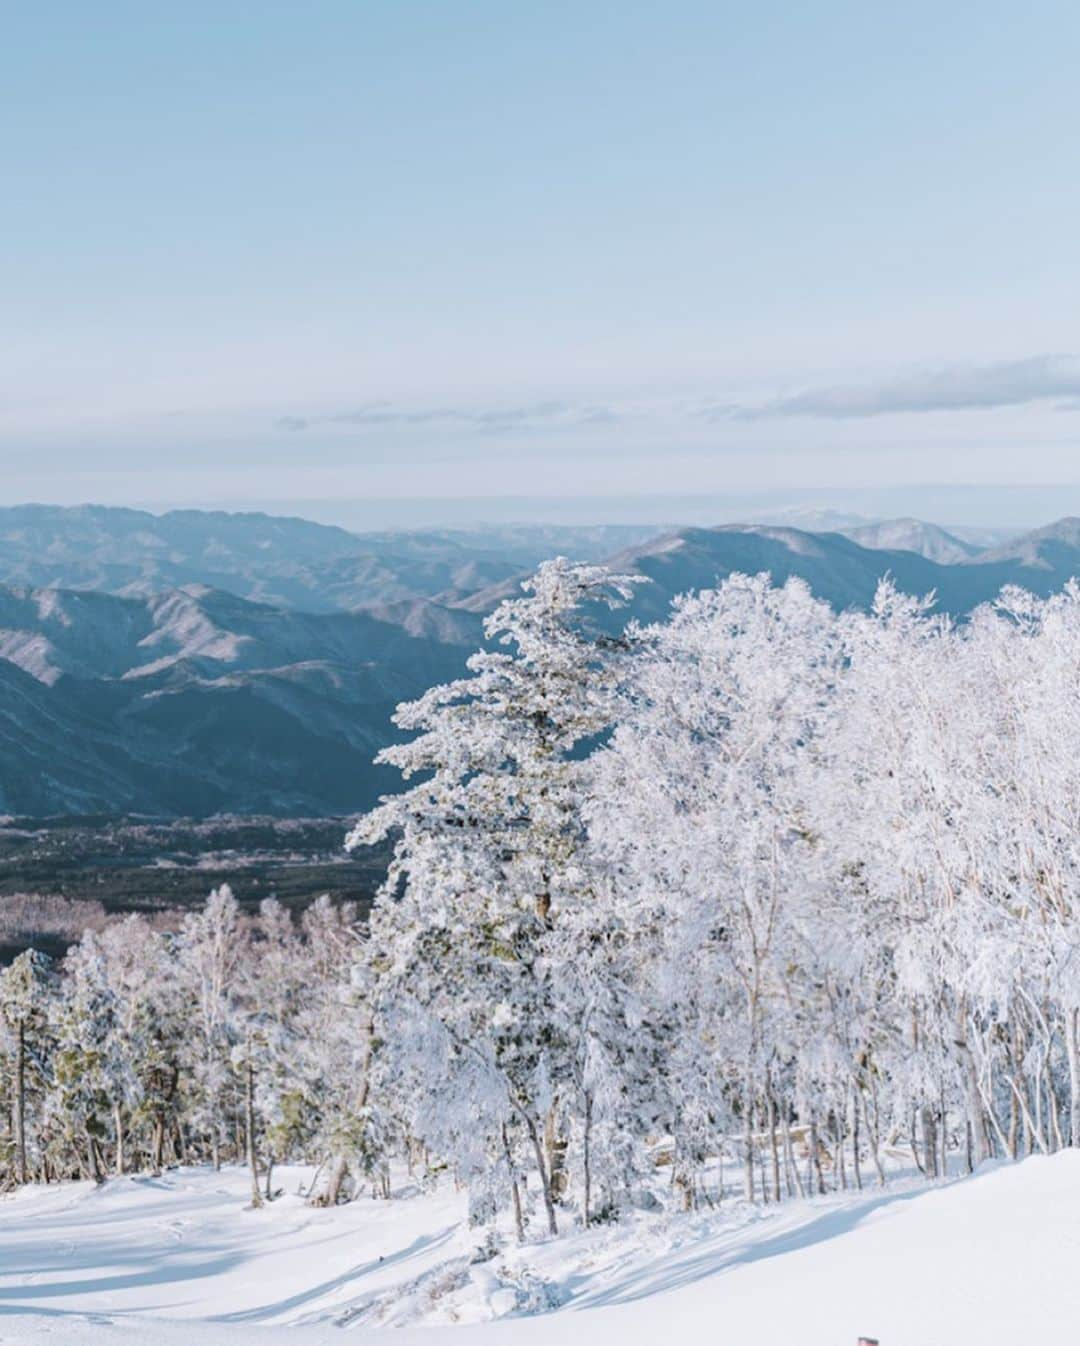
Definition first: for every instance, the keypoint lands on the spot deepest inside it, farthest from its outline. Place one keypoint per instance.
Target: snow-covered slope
(179, 1260)
(928, 539)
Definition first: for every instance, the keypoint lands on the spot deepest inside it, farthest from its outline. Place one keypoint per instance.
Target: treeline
(763, 882)
(233, 1039)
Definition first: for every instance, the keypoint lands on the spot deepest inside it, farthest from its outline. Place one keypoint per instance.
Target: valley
(59, 876)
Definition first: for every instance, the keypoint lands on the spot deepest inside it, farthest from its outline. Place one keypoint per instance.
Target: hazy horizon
(948, 505)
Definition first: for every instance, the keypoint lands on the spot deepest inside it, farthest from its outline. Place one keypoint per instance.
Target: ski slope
(180, 1261)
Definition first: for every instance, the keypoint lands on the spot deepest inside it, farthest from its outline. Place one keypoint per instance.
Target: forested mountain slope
(195, 701)
(193, 661)
(287, 562)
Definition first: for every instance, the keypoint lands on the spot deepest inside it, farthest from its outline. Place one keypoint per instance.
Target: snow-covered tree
(761, 882)
(487, 860)
(26, 989)
(210, 946)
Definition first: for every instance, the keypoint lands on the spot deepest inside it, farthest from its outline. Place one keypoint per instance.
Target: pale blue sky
(267, 251)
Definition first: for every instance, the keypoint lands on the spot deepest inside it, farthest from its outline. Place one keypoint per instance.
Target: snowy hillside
(928, 539)
(180, 1260)
(783, 911)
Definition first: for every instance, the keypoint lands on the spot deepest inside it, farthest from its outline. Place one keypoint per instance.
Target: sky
(262, 253)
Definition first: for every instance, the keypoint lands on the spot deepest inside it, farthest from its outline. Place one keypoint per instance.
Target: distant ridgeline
(196, 662)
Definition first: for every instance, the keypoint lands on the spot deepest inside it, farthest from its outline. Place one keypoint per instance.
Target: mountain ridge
(194, 699)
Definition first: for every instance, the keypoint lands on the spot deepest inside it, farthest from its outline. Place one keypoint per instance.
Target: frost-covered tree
(701, 805)
(26, 988)
(210, 947)
(149, 1032)
(335, 1047)
(90, 1070)
(487, 861)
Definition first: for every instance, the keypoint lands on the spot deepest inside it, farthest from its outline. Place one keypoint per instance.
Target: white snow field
(179, 1260)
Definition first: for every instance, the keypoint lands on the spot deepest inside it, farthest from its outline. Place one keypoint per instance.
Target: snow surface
(179, 1259)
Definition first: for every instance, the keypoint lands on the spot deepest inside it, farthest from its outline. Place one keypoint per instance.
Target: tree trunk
(929, 1133)
(683, 1180)
(996, 1129)
(249, 1127)
(20, 1103)
(157, 1145)
(748, 1143)
(555, 1147)
(875, 1134)
(972, 1092)
(1053, 1104)
(339, 1171)
(809, 1162)
(118, 1126)
(815, 1157)
(774, 1147)
(791, 1169)
(515, 1191)
(856, 1162)
(586, 1157)
(943, 1135)
(541, 1167)
(1014, 1126)
(1072, 1048)
(96, 1170)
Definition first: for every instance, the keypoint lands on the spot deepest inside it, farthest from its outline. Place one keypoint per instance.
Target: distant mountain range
(194, 663)
(846, 572)
(281, 561)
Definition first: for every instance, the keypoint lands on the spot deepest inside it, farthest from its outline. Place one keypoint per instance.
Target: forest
(763, 885)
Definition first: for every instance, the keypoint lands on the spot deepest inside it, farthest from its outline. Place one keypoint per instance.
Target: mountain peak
(927, 539)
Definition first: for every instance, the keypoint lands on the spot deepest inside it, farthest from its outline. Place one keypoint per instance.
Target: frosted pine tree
(89, 1067)
(488, 856)
(26, 988)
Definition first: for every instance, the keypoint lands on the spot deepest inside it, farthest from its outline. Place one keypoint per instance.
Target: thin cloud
(490, 420)
(1008, 383)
